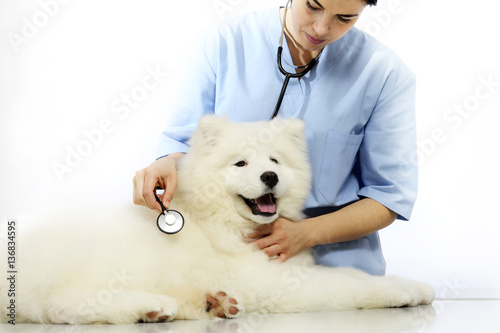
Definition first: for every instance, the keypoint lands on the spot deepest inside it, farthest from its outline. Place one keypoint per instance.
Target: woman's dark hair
(371, 2)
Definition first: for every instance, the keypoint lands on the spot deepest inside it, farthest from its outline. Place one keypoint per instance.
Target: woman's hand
(161, 172)
(281, 239)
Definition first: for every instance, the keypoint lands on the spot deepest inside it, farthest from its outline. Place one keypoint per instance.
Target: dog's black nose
(269, 178)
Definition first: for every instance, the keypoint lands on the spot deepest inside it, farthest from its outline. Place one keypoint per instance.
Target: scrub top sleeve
(387, 156)
(195, 98)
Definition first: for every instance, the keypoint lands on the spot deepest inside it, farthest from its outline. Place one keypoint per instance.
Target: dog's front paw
(426, 294)
(412, 293)
(223, 306)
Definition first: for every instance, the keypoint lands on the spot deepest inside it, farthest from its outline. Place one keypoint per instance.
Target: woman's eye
(343, 19)
(311, 7)
(240, 164)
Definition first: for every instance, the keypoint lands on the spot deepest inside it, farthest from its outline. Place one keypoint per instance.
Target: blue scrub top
(358, 104)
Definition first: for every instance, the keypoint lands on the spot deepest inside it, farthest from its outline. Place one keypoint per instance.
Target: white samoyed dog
(113, 265)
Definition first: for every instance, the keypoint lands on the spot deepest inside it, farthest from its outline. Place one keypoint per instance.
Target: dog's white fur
(112, 264)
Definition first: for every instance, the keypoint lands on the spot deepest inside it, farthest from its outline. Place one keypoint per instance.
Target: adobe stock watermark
(105, 296)
(423, 320)
(453, 119)
(121, 107)
(454, 116)
(31, 26)
(291, 280)
(381, 18)
(223, 7)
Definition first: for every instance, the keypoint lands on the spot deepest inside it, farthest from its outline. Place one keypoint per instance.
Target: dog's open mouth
(264, 205)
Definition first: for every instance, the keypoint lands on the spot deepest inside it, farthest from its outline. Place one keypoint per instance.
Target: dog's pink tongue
(266, 204)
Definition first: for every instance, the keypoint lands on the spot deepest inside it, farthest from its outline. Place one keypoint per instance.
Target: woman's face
(317, 23)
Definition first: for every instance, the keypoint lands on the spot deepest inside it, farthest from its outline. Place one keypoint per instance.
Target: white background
(66, 67)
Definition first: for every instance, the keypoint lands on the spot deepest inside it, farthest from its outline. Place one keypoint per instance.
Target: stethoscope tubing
(288, 76)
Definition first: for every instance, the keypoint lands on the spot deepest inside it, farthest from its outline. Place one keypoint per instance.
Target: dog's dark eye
(240, 164)
(274, 160)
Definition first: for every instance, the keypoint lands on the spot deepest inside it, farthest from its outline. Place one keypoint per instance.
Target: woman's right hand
(162, 172)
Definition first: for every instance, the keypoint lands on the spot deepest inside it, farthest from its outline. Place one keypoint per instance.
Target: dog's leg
(289, 288)
(80, 306)
(358, 290)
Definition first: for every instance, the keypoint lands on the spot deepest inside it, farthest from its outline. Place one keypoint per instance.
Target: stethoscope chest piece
(170, 221)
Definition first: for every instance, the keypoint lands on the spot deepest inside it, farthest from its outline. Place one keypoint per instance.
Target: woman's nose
(322, 27)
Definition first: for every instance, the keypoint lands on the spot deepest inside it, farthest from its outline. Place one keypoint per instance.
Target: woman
(358, 106)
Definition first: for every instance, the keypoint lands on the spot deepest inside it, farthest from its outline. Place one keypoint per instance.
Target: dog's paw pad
(223, 306)
(157, 315)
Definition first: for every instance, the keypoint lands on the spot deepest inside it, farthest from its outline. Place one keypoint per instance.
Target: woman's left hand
(281, 239)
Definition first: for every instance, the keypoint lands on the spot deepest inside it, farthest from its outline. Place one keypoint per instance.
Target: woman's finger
(261, 231)
(148, 192)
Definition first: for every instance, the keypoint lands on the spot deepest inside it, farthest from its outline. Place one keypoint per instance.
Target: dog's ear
(209, 131)
(296, 128)
(293, 129)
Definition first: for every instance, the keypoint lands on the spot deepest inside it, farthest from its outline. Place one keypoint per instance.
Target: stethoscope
(289, 75)
(169, 221)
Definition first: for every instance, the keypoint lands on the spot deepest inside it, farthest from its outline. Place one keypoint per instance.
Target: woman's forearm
(357, 220)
